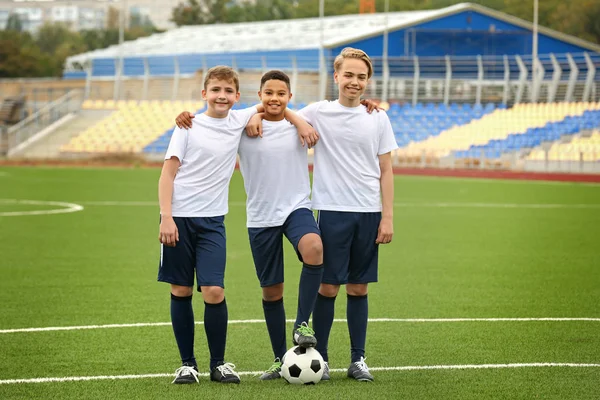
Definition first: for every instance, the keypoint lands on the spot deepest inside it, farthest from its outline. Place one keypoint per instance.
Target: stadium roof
(293, 34)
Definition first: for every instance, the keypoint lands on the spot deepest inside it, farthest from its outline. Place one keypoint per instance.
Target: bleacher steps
(49, 145)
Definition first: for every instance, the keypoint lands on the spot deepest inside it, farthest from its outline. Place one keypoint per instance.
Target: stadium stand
(435, 130)
(415, 124)
(580, 148)
(535, 136)
(522, 126)
(130, 128)
(100, 104)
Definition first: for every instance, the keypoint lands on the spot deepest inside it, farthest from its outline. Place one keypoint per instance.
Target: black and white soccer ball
(302, 366)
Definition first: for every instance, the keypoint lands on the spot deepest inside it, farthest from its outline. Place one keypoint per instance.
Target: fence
(19, 134)
(38, 92)
(506, 79)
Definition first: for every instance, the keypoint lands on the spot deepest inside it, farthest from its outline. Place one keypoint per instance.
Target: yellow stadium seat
(88, 104)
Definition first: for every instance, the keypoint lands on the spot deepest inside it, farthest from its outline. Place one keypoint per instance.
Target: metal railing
(23, 131)
(509, 79)
(506, 80)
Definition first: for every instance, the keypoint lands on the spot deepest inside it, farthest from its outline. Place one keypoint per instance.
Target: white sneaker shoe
(186, 374)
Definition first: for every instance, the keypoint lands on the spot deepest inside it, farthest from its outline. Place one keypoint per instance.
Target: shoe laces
(362, 365)
(187, 370)
(305, 330)
(226, 369)
(326, 365)
(276, 367)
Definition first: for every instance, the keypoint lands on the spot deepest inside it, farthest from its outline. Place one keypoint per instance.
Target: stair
(49, 145)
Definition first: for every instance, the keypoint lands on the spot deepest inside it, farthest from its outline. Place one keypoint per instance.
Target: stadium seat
(522, 126)
(579, 149)
(131, 128)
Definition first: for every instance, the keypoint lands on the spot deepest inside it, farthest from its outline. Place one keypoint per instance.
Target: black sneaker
(186, 374)
(274, 372)
(224, 373)
(325, 376)
(304, 336)
(359, 371)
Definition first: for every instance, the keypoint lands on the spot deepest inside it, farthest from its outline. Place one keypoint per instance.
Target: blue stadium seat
(533, 137)
(425, 120)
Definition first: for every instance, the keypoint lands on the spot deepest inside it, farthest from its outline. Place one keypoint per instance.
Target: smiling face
(220, 96)
(274, 95)
(351, 77)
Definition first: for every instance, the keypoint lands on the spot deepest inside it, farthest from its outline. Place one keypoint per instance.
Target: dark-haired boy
(275, 172)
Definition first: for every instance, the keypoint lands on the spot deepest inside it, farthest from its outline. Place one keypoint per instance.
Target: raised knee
(312, 252)
(213, 294)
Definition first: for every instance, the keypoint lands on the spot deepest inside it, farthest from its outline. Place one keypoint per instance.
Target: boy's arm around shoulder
(184, 120)
(254, 124)
(306, 132)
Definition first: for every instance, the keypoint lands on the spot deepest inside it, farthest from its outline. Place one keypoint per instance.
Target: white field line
(260, 321)
(63, 207)
(418, 205)
(509, 181)
(72, 207)
(402, 368)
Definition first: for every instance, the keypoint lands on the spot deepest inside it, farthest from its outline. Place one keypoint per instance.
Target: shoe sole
(269, 379)
(308, 343)
(183, 382)
(361, 379)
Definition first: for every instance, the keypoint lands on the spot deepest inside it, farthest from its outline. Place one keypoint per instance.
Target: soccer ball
(302, 366)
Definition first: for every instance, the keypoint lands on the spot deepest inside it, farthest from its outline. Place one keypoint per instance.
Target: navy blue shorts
(201, 251)
(350, 254)
(267, 244)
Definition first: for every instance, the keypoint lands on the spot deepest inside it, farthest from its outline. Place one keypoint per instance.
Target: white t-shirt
(346, 165)
(275, 171)
(207, 153)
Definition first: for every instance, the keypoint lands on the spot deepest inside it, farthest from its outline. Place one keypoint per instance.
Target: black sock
(215, 325)
(275, 318)
(357, 313)
(322, 320)
(182, 319)
(310, 280)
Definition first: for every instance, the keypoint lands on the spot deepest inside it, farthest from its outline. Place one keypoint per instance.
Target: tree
(187, 14)
(310, 8)
(51, 36)
(141, 21)
(581, 19)
(14, 23)
(21, 57)
(217, 11)
(592, 25)
(112, 19)
(261, 10)
(92, 38)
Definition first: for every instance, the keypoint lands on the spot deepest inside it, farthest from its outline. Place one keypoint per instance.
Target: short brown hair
(222, 73)
(349, 52)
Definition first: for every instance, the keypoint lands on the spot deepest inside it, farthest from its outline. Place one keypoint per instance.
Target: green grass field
(463, 249)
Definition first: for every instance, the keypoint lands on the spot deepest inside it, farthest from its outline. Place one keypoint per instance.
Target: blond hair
(350, 52)
(222, 73)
